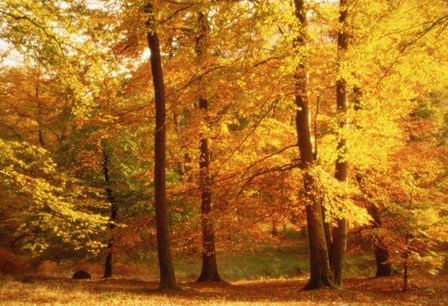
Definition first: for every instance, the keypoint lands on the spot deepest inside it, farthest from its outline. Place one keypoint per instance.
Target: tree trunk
(113, 215)
(382, 259)
(167, 276)
(320, 271)
(182, 166)
(382, 254)
(39, 113)
(406, 264)
(339, 246)
(209, 271)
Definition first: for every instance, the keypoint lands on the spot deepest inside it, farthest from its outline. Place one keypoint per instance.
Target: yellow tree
(320, 273)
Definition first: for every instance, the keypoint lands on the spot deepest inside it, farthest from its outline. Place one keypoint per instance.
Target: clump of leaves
(53, 208)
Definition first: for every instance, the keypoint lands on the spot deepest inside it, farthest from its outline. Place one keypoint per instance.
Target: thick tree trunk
(339, 246)
(382, 254)
(167, 276)
(113, 215)
(209, 271)
(320, 271)
(339, 249)
(382, 259)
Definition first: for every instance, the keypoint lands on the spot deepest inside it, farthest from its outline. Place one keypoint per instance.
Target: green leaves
(52, 205)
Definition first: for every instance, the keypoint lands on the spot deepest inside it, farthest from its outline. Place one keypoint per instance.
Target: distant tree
(113, 209)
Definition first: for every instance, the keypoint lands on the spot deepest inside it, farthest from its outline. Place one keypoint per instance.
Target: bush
(11, 263)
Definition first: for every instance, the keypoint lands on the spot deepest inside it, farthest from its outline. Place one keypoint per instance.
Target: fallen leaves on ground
(426, 290)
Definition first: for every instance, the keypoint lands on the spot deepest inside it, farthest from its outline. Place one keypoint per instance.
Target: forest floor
(425, 290)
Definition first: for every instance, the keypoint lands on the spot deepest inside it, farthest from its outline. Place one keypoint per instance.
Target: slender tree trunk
(328, 235)
(320, 271)
(182, 166)
(113, 215)
(167, 275)
(406, 272)
(209, 271)
(406, 265)
(39, 112)
(339, 246)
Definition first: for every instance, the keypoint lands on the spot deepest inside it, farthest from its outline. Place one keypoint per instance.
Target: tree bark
(406, 264)
(113, 215)
(382, 259)
(320, 271)
(39, 112)
(167, 275)
(339, 246)
(209, 270)
(382, 254)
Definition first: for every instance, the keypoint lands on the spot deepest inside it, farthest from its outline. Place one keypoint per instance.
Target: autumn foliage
(193, 127)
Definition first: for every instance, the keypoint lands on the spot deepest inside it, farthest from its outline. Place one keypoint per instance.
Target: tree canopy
(233, 118)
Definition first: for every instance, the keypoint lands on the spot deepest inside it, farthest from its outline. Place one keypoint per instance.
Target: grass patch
(288, 260)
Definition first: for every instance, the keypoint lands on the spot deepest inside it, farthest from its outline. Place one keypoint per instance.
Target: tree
(320, 273)
(52, 223)
(209, 270)
(376, 210)
(339, 243)
(113, 210)
(167, 275)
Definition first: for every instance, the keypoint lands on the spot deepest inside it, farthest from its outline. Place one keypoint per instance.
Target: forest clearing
(262, 278)
(265, 276)
(223, 152)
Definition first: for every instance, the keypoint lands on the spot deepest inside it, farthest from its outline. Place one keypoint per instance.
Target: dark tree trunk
(328, 235)
(382, 254)
(339, 246)
(113, 215)
(209, 271)
(406, 264)
(167, 276)
(338, 250)
(382, 259)
(320, 271)
(39, 114)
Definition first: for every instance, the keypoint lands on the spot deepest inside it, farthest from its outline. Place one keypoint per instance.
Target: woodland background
(190, 130)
